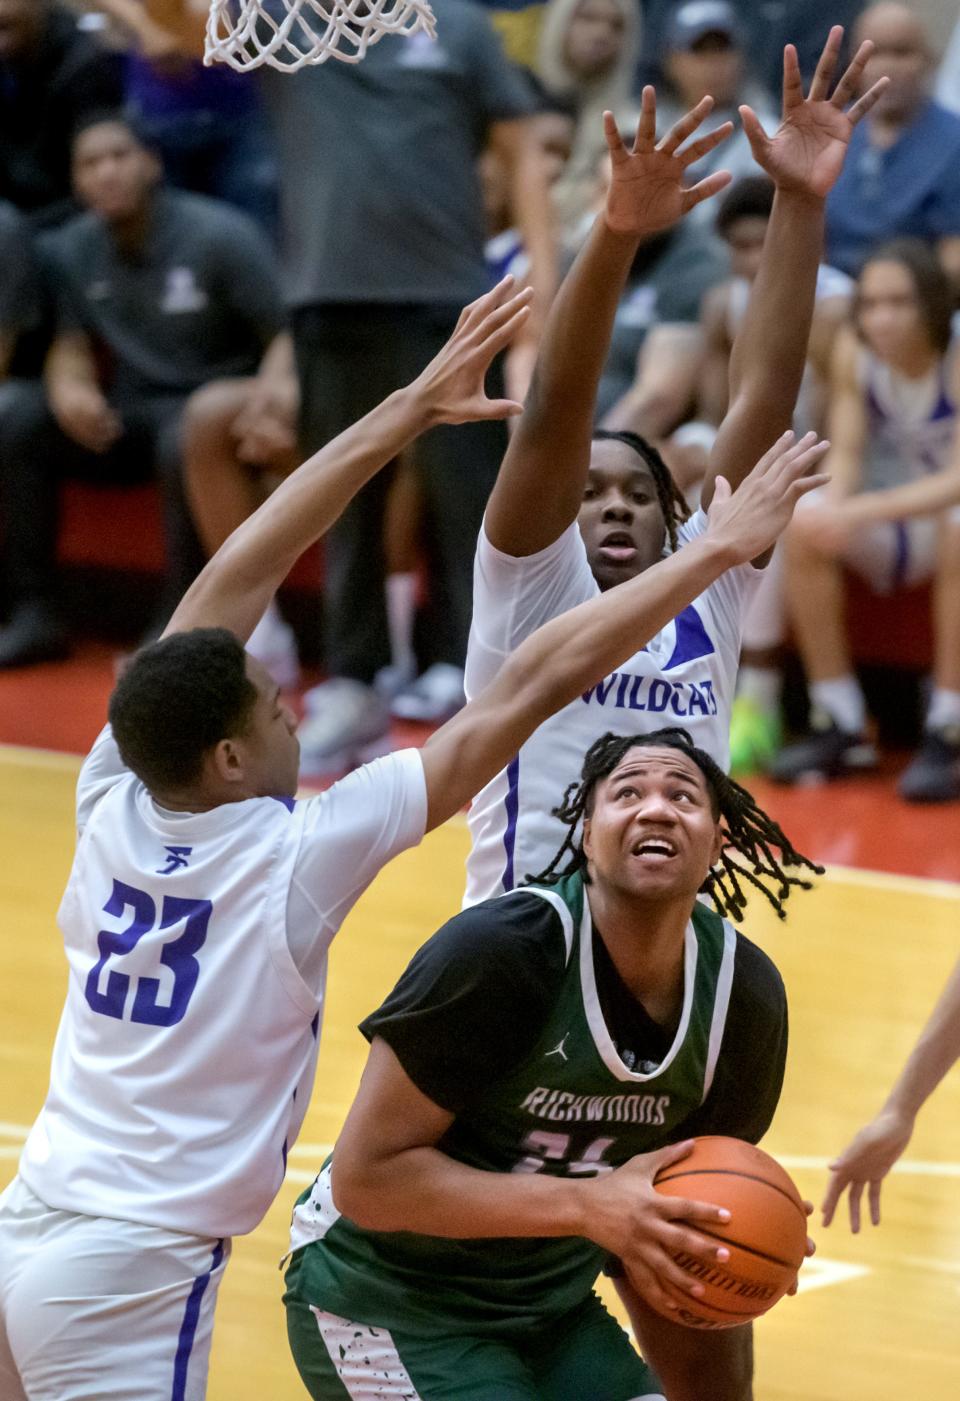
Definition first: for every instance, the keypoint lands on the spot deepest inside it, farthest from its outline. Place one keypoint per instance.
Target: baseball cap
(692, 21)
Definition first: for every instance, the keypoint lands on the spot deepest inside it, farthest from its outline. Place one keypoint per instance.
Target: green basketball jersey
(570, 1108)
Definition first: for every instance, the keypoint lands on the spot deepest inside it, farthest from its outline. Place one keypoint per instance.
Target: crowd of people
(211, 274)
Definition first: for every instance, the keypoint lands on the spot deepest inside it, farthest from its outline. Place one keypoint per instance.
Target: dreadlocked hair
(672, 504)
(746, 829)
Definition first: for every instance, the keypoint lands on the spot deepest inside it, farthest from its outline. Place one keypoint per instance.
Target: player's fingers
(810, 1248)
(874, 1195)
(670, 1273)
(499, 408)
(648, 1286)
(792, 81)
(646, 133)
(705, 189)
(831, 1197)
(799, 457)
(856, 1192)
(703, 144)
(860, 109)
(755, 133)
(611, 132)
(676, 1239)
(682, 1209)
(809, 484)
(849, 84)
(504, 319)
(686, 126)
(774, 453)
(477, 310)
(820, 87)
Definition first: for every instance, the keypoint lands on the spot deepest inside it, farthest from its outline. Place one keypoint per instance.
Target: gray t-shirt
(200, 301)
(379, 191)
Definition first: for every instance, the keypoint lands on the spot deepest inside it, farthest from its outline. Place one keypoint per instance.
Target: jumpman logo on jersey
(558, 1049)
(177, 858)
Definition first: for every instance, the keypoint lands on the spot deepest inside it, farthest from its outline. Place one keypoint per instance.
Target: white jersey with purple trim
(197, 947)
(911, 423)
(685, 676)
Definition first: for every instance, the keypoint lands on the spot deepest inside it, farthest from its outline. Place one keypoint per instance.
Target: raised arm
(573, 651)
(803, 158)
(540, 486)
(238, 582)
(877, 1147)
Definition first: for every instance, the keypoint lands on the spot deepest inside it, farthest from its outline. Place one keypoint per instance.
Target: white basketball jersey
(685, 676)
(186, 1050)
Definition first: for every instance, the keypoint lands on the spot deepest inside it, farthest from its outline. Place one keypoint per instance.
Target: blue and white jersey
(911, 423)
(685, 676)
(197, 949)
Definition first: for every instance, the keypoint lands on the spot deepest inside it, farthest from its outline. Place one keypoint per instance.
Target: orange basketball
(766, 1234)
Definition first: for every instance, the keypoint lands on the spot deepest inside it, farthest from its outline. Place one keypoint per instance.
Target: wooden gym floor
(863, 958)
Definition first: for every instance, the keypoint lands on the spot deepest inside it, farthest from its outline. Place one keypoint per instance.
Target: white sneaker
(433, 697)
(273, 644)
(345, 724)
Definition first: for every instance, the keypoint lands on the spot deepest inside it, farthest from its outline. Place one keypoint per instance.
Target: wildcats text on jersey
(621, 691)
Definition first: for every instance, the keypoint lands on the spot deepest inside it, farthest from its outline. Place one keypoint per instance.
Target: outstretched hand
(751, 519)
(452, 385)
(647, 191)
(807, 151)
(867, 1160)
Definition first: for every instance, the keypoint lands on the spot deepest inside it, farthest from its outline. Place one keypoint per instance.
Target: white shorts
(892, 555)
(92, 1308)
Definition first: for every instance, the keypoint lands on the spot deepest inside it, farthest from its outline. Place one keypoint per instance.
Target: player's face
(112, 173)
(620, 519)
(652, 833)
(594, 38)
(554, 132)
(745, 241)
(888, 311)
(271, 747)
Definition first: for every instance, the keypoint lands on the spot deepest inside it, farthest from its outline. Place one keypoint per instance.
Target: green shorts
(585, 1356)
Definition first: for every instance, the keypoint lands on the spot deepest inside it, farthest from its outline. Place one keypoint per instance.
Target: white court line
(821, 1273)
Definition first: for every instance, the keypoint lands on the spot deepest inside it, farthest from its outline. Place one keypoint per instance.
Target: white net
(288, 34)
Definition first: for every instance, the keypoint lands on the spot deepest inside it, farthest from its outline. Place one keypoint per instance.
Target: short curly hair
(178, 698)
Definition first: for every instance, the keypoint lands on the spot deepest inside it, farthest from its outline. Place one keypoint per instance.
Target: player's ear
(228, 760)
(587, 829)
(717, 846)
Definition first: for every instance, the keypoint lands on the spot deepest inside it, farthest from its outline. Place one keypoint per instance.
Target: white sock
(401, 605)
(944, 709)
(842, 699)
(761, 685)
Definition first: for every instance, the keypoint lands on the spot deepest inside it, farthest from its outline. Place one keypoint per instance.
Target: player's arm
(715, 375)
(540, 486)
(877, 1147)
(238, 582)
(571, 652)
(390, 1175)
(803, 158)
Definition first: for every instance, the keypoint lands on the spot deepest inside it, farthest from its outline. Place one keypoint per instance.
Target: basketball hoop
(288, 34)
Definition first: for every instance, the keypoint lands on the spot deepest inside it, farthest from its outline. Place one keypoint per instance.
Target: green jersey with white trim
(570, 1107)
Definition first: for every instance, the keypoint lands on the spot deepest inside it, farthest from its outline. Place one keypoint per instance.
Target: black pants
(349, 358)
(35, 455)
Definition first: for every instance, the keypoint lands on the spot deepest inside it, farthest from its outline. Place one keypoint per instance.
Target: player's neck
(646, 942)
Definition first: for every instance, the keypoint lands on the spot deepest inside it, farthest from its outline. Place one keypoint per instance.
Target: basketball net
(288, 34)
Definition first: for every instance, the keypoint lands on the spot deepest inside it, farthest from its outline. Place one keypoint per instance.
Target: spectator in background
(51, 75)
(22, 301)
(704, 55)
(902, 177)
(206, 123)
(385, 232)
(889, 512)
(766, 27)
(587, 56)
(947, 91)
(157, 292)
(518, 22)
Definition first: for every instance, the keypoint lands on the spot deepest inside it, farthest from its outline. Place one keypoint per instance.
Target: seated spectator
(704, 55)
(889, 512)
(947, 91)
(902, 176)
(157, 292)
(239, 440)
(588, 54)
(51, 74)
(206, 123)
(22, 302)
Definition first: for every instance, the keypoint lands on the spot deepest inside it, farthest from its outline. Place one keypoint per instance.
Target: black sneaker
(933, 775)
(828, 752)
